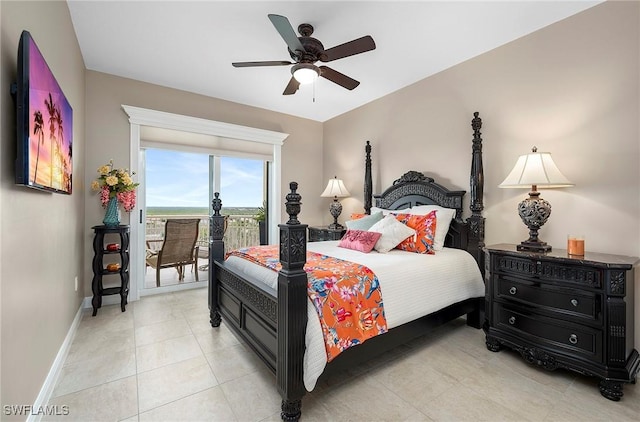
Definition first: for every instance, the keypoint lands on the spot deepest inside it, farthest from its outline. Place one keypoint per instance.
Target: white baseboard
(52, 377)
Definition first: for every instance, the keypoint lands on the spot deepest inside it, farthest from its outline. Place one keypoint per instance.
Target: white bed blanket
(412, 285)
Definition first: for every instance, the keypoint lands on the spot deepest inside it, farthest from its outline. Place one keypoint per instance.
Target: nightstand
(318, 234)
(566, 312)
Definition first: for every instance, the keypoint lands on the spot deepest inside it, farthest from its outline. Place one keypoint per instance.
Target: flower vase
(112, 214)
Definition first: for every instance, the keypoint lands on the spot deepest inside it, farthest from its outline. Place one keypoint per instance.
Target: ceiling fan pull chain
(314, 90)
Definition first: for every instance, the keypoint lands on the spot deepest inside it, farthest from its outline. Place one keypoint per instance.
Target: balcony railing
(242, 230)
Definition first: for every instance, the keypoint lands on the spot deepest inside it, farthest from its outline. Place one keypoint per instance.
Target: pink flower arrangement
(115, 183)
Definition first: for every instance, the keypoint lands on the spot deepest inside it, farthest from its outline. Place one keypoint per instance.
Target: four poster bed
(275, 318)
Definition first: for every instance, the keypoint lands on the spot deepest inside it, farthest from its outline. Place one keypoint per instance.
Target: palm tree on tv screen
(59, 144)
(51, 108)
(37, 130)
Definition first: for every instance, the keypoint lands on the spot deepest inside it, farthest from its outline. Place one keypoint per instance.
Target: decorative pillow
(393, 232)
(443, 216)
(425, 227)
(364, 223)
(359, 240)
(357, 216)
(386, 212)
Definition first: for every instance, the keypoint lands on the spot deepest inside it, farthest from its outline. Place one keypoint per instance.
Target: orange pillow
(425, 227)
(357, 216)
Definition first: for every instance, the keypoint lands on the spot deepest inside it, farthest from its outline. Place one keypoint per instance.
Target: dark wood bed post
(476, 221)
(292, 309)
(368, 183)
(216, 253)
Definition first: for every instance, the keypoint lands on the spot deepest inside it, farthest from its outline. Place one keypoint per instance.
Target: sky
(181, 179)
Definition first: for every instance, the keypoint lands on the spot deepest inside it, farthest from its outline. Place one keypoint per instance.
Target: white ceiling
(190, 45)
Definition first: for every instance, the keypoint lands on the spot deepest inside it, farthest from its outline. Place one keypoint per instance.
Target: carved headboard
(414, 188)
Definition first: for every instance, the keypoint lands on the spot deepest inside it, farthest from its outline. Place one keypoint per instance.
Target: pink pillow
(359, 240)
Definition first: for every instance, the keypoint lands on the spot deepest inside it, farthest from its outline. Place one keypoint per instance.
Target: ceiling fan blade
(287, 33)
(350, 48)
(338, 78)
(254, 64)
(292, 87)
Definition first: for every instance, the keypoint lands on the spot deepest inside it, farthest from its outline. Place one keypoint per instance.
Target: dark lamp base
(335, 209)
(534, 212)
(533, 246)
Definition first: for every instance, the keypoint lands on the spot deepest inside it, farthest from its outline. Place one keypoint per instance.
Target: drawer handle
(512, 320)
(574, 302)
(513, 290)
(573, 339)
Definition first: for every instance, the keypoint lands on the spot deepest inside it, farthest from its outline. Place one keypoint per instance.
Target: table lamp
(335, 188)
(536, 169)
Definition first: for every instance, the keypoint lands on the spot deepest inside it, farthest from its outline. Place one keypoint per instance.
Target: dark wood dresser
(319, 234)
(560, 311)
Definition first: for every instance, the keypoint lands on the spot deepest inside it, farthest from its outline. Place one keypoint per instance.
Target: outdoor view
(177, 183)
(177, 186)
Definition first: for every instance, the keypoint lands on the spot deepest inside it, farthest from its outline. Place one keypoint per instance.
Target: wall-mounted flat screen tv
(44, 123)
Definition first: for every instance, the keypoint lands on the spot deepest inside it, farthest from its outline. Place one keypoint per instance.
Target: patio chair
(178, 248)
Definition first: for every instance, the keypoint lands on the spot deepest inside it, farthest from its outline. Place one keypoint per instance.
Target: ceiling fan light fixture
(305, 73)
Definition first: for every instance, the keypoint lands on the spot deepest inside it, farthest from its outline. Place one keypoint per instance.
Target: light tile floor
(161, 361)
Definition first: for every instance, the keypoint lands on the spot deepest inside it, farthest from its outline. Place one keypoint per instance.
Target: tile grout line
(219, 385)
(135, 357)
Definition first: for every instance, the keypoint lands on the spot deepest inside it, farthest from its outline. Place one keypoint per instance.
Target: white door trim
(154, 118)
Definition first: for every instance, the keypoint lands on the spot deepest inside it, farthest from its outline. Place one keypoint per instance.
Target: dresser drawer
(568, 274)
(580, 305)
(575, 340)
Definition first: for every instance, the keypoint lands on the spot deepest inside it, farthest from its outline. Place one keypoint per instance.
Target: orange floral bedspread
(346, 296)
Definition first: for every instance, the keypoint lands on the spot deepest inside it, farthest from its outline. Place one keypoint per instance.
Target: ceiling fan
(306, 51)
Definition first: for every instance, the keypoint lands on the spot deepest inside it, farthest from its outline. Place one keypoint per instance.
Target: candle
(575, 245)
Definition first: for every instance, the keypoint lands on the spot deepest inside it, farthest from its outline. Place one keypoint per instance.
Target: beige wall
(41, 234)
(108, 137)
(571, 89)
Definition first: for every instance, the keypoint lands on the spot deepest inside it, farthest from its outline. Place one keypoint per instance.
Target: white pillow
(393, 232)
(443, 221)
(386, 212)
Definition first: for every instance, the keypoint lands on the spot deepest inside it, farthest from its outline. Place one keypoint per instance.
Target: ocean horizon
(200, 210)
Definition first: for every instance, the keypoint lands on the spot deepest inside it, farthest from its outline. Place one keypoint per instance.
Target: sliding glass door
(243, 193)
(158, 129)
(179, 185)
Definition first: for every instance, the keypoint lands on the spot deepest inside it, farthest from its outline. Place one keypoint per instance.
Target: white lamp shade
(536, 168)
(335, 188)
(305, 74)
